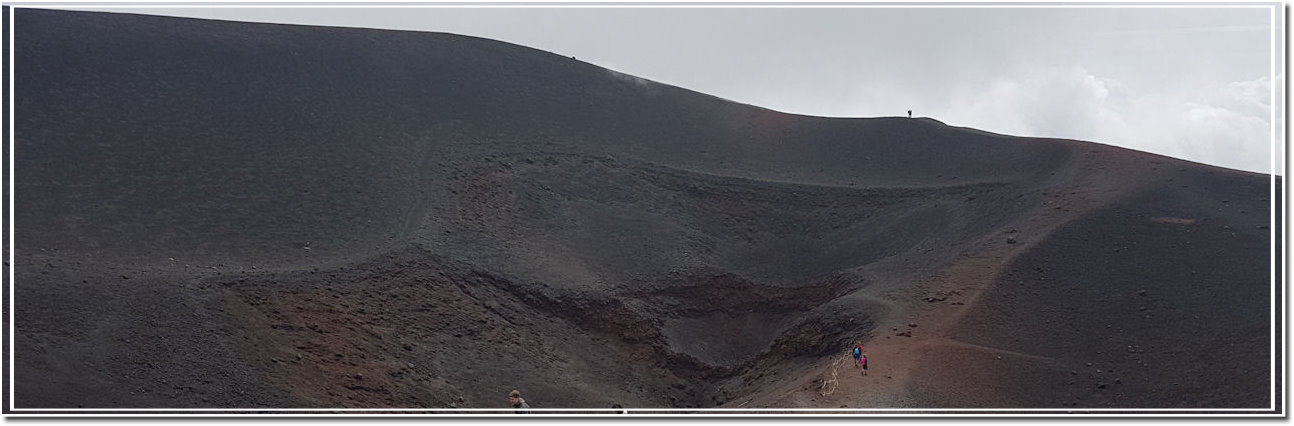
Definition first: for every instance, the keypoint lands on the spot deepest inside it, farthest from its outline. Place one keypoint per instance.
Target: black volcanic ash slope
(218, 214)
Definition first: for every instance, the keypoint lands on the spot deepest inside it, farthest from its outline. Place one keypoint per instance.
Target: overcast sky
(1189, 82)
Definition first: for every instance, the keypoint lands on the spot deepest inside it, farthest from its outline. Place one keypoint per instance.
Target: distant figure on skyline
(909, 113)
(519, 403)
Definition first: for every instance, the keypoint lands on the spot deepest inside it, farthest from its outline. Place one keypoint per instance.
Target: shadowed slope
(1156, 300)
(181, 116)
(216, 214)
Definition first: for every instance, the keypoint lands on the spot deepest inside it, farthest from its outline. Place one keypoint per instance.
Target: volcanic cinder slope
(233, 215)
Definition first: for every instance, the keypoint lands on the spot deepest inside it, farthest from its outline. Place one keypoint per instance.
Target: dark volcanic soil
(228, 215)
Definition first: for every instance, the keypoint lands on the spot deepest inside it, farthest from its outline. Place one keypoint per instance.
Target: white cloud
(1226, 124)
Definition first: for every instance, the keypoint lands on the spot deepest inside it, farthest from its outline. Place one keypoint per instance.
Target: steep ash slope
(218, 214)
(1157, 299)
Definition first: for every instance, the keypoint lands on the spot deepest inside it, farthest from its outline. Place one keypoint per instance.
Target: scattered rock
(912, 324)
(1101, 385)
(1073, 373)
(1141, 293)
(1118, 381)
(1011, 240)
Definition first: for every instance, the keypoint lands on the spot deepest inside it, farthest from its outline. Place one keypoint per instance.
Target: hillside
(231, 215)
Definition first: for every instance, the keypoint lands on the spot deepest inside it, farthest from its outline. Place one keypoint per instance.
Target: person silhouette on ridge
(518, 402)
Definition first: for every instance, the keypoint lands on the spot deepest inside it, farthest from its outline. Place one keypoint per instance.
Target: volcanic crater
(230, 215)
